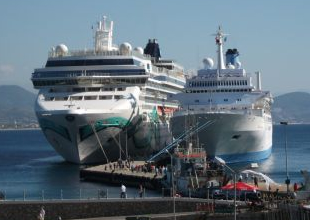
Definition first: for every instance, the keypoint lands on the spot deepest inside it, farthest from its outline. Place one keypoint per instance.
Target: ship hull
(232, 137)
(100, 137)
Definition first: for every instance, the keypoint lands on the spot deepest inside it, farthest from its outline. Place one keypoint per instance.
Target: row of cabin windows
(53, 63)
(89, 89)
(78, 73)
(218, 90)
(88, 81)
(210, 100)
(85, 98)
(222, 108)
(218, 83)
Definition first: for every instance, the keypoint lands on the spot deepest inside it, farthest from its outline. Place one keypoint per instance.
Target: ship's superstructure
(242, 130)
(109, 102)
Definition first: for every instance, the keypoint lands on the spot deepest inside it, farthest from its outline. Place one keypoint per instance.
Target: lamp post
(287, 181)
(172, 182)
(221, 161)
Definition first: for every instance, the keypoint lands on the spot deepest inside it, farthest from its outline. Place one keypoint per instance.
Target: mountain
(292, 107)
(16, 106)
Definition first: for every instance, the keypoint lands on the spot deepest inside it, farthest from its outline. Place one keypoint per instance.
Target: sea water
(31, 169)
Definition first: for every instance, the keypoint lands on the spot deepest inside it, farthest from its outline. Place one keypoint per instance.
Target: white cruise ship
(106, 103)
(239, 109)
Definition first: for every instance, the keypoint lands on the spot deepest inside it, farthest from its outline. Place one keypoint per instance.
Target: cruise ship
(233, 101)
(106, 103)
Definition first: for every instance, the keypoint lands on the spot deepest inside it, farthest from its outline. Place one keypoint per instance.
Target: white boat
(242, 128)
(110, 102)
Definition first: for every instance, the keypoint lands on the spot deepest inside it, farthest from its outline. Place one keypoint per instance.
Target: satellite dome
(61, 50)
(238, 65)
(125, 48)
(139, 50)
(230, 66)
(208, 63)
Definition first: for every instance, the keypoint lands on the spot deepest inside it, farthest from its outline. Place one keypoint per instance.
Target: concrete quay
(108, 173)
(87, 209)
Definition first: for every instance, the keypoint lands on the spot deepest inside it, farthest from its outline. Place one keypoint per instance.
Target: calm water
(28, 163)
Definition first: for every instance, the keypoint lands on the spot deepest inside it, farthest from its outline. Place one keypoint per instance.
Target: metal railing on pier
(72, 194)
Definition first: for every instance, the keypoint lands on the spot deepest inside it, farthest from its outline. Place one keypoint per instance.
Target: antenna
(219, 40)
(103, 35)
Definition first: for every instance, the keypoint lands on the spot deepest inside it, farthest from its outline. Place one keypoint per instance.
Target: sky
(272, 36)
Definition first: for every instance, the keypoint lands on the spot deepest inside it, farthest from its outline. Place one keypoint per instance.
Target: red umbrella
(240, 186)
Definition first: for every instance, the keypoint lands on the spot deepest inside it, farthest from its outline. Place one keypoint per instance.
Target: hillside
(292, 107)
(17, 105)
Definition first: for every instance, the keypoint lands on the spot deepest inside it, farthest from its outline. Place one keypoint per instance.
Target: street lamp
(221, 161)
(172, 182)
(287, 181)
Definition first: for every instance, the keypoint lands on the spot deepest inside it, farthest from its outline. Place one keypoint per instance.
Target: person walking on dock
(123, 191)
(41, 214)
(255, 181)
(141, 190)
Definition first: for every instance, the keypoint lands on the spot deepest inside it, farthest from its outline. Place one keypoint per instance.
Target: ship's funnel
(232, 57)
(152, 48)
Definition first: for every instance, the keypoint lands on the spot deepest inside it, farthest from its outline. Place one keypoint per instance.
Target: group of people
(246, 178)
(124, 194)
(130, 165)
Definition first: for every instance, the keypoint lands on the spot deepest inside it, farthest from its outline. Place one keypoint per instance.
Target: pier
(133, 174)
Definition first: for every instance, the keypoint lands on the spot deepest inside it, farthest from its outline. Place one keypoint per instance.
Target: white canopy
(267, 179)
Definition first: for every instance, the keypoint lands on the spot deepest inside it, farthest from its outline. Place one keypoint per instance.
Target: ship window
(90, 97)
(225, 100)
(61, 98)
(235, 137)
(76, 97)
(51, 98)
(78, 89)
(104, 97)
(120, 89)
(94, 89)
(197, 100)
(117, 97)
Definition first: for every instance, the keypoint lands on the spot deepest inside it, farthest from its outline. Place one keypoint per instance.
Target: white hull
(233, 137)
(76, 141)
